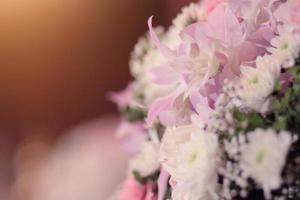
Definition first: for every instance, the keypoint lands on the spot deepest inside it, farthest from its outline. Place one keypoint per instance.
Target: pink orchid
(162, 183)
(132, 190)
(194, 63)
(150, 194)
(210, 52)
(124, 97)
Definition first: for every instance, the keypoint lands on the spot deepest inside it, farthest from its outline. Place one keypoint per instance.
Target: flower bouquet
(214, 108)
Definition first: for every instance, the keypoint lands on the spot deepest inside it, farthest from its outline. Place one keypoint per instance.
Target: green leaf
(132, 114)
(280, 123)
(143, 180)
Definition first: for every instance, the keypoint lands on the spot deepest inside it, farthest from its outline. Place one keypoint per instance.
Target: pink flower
(162, 183)
(124, 97)
(209, 5)
(132, 135)
(289, 13)
(193, 65)
(211, 51)
(150, 194)
(132, 190)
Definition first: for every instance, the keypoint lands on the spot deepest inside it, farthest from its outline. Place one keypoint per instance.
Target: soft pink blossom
(132, 134)
(124, 97)
(132, 190)
(150, 194)
(209, 5)
(162, 183)
(211, 51)
(289, 13)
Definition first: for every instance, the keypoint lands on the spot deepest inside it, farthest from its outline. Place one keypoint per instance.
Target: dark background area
(59, 58)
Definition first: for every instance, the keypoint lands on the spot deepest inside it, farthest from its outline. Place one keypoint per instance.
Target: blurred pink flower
(150, 195)
(132, 190)
(132, 134)
(162, 183)
(123, 97)
(209, 5)
(289, 13)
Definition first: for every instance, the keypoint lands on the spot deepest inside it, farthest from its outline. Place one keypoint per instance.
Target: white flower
(197, 156)
(258, 83)
(169, 149)
(146, 162)
(191, 191)
(189, 154)
(189, 15)
(285, 46)
(264, 157)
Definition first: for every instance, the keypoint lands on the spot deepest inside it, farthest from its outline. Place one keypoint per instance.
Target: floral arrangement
(213, 111)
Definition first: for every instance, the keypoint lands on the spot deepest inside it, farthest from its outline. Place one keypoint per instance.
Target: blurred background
(58, 59)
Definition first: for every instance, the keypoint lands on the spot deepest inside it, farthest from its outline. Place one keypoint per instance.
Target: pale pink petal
(168, 53)
(209, 5)
(163, 75)
(131, 190)
(160, 104)
(163, 103)
(162, 183)
(169, 117)
(223, 25)
(122, 98)
(201, 105)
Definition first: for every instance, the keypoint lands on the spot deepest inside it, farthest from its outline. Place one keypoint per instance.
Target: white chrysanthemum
(268, 63)
(264, 157)
(258, 83)
(189, 153)
(189, 14)
(191, 191)
(285, 47)
(146, 162)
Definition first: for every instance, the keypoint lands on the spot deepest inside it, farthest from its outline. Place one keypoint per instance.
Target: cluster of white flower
(259, 155)
(285, 47)
(146, 161)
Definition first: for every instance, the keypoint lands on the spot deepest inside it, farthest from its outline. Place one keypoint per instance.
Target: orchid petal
(163, 103)
(163, 75)
(162, 183)
(168, 53)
